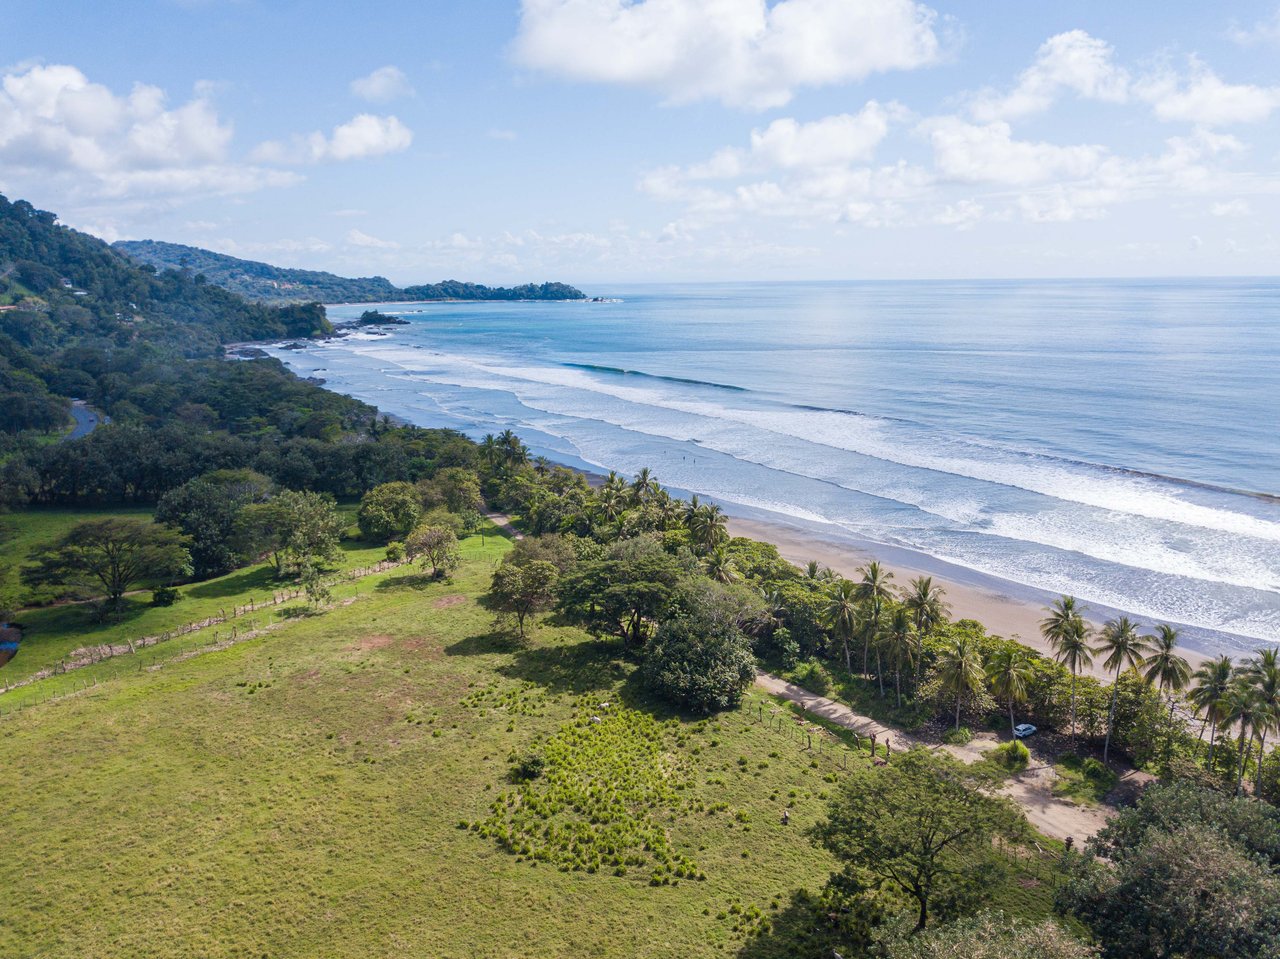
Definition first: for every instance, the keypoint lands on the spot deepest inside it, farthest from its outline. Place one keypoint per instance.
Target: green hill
(273, 284)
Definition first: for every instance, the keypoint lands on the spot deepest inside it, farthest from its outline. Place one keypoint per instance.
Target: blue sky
(598, 141)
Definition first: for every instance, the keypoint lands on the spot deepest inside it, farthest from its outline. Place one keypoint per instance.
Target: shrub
(1012, 755)
(958, 737)
(528, 768)
(395, 551)
(164, 596)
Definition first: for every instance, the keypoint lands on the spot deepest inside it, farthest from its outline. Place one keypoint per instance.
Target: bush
(1013, 755)
(395, 551)
(164, 596)
(528, 768)
(958, 737)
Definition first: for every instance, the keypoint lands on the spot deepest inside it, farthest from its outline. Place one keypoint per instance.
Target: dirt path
(1032, 789)
(503, 521)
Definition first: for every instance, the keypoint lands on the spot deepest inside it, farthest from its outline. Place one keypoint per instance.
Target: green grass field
(341, 787)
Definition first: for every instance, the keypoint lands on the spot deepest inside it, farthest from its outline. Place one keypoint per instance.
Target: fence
(90, 655)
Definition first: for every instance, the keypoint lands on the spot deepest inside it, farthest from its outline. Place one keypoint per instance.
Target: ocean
(1116, 440)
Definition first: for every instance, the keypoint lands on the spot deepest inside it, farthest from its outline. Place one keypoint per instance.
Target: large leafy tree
(625, 593)
(112, 555)
(522, 589)
(295, 529)
(700, 658)
(920, 824)
(207, 510)
(435, 547)
(389, 511)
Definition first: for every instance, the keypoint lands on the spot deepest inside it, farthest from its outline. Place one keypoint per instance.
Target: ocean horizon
(1111, 439)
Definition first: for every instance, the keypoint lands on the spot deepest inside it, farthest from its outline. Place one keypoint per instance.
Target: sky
(615, 141)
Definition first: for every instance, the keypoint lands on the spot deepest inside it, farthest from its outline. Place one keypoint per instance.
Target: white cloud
(1205, 99)
(1073, 61)
(59, 129)
(1230, 208)
(362, 136)
(496, 134)
(743, 52)
(382, 85)
(989, 153)
(1262, 33)
(362, 239)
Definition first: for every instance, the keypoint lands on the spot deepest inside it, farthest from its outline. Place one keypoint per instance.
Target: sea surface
(1117, 440)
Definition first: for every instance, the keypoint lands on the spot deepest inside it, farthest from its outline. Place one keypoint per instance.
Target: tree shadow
(244, 583)
(801, 929)
(484, 644)
(575, 668)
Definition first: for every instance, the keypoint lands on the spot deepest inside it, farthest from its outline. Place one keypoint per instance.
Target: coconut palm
(644, 486)
(812, 569)
(900, 641)
(1208, 695)
(1240, 706)
(1068, 635)
(1263, 671)
(927, 608)
(489, 450)
(840, 613)
(1010, 672)
(707, 527)
(720, 566)
(960, 671)
(1166, 670)
(609, 503)
(874, 593)
(1124, 649)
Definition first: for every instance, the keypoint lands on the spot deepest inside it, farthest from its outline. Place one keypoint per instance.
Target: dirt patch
(444, 602)
(374, 641)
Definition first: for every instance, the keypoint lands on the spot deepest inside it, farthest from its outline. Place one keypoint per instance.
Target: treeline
(273, 284)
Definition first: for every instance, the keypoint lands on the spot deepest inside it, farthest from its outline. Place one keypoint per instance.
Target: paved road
(87, 420)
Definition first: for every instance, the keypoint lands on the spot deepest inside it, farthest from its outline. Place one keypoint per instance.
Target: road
(1032, 789)
(87, 420)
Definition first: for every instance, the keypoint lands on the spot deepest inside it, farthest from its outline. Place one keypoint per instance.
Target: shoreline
(1002, 613)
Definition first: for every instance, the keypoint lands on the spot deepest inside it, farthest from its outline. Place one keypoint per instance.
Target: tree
(389, 511)
(112, 554)
(1189, 893)
(960, 671)
(1166, 670)
(840, 614)
(295, 529)
(720, 566)
(1241, 708)
(435, 547)
(1209, 695)
(1009, 672)
(700, 658)
(1068, 635)
(1124, 648)
(520, 589)
(920, 824)
(706, 525)
(623, 593)
(899, 639)
(207, 510)
(925, 602)
(1263, 671)
(873, 592)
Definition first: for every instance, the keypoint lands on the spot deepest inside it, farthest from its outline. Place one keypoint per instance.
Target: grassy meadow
(342, 786)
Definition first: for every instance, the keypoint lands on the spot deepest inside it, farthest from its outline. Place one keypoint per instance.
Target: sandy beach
(1001, 613)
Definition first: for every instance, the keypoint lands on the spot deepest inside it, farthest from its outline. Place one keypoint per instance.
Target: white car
(1023, 730)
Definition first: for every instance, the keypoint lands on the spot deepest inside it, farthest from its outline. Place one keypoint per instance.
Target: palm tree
(901, 641)
(927, 608)
(1166, 670)
(873, 591)
(1264, 672)
(1009, 672)
(707, 527)
(811, 569)
(1124, 649)
(1240, 706)
(489, 449)
(644, 486)
(1209, 694)
(720, 566)
(1068, 636)
(960, 671)
(841, 613)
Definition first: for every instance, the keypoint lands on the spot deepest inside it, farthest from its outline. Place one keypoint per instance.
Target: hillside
(273, 284)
